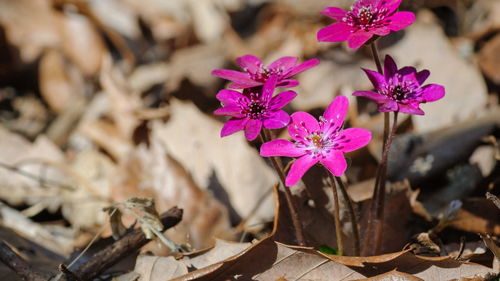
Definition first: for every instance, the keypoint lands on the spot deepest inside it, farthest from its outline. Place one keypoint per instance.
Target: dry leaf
(153, 268)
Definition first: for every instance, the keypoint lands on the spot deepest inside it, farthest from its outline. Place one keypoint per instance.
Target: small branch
(336, 215)
(129, 243)
(19, 265)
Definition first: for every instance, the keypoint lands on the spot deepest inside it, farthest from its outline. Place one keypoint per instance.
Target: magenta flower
(365, 19)
(256, 74)
(255, 108)
(401, 90)
(324, 141)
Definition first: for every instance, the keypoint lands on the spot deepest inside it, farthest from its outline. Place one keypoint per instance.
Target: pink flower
(365, 19)
(401, 90)
(324, 141)
(256, 74)
(255, 108)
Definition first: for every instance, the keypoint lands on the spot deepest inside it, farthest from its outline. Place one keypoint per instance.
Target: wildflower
(254, 108)
(401, 89)
(324, 141)
(256, 74)
(365, 19)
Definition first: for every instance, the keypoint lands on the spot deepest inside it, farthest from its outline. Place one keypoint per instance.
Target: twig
(70, 276)
(129, 243)
(19, 265)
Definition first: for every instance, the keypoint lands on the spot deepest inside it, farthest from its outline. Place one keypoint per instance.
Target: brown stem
(128, 244)
(379, 218)
(352, 215)
(336, 215)
(19, 265)
(369, 234)
(297, 223)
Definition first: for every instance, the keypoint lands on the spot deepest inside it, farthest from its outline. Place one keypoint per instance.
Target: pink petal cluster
(254, 108)
(401, 90)
(365, 19)
(256, 74)
(315, 141)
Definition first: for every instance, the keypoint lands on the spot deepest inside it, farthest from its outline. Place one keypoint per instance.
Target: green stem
(352, 215)
(278, 166)
(336, 215)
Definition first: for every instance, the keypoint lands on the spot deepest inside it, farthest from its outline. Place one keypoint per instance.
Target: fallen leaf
(152, 268)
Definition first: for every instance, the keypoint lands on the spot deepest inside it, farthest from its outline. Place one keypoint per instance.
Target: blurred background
(105, 100)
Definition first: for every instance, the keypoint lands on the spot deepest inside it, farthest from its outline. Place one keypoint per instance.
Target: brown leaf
(153, 268)
(268, 260)
(392, 276)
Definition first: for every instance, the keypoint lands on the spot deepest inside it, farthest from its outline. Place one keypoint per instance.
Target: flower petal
(335, 32)
(282, 99)
(277, 119)
(303, 67)
(269, 86)
(229, 97)
(232, 75)
(381, 31)
(410, 109)
(233, 111)
(388, 106)
(392, 5)
(249, 63)
(390, 67)
(252, 129)
(283, 64)
(287, 83)
(422, 76)
(334, 13)
(432, 92)
(358, 38)
(280, 147)
(299, 168)
(336, 111)
(335, 163)
(353, 138)
(232, 126)
(400, 20)
(245, 85)
(377, 79)
(378, 98)
(302, 125)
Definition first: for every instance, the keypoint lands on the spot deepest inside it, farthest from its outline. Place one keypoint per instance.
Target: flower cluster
(322, 141)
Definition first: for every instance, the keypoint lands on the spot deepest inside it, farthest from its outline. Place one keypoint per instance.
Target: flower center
(401, 91)
(365, 17)
(263, 73)
(255, 110)
(316, 140)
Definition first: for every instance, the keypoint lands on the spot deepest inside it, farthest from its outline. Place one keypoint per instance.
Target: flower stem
(369, 235)
(383, 165)
(352, 215)
(336, 215)
(278, 166)
(376, 57)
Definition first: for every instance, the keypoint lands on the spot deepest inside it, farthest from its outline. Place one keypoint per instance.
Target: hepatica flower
(315, 141)
(365, 19)
(254, 108)
(255, 73)
(401, 90)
